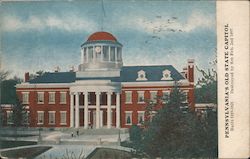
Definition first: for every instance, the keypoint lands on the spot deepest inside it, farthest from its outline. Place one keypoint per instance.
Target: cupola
(101, 51)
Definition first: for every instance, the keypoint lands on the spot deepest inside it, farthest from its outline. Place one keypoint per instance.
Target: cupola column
(109, 54)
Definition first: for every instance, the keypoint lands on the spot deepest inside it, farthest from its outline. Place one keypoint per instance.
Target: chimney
(26, 77)
(190, 71)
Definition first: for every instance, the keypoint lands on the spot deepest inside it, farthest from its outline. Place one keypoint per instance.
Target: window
(40, 97)
(140, 117)
(165, 96)
(166, 75)
(51, 97)
(128, 117)
(40, 117)
(140, 96)
(9, 117)
(62, 97)
(128, 97)
(25, 97)
(141, 76)
(112, 53)
(52, 117)
(105, 53)
(153, 96)
(63, 116)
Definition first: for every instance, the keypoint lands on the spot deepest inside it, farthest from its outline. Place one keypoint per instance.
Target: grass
(10, 144)
(104, 153)
(28, 153)
(17, 135)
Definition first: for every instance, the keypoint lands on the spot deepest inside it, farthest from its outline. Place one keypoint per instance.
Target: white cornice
(96, 83)
(44, 85)
(157, 83)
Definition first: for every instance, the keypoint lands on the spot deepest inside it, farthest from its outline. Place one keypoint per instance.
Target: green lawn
(17, 135)
(10, 144)
(104, 153)
(28, 153)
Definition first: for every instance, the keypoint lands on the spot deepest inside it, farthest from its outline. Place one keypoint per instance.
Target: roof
(153, 73)
(113, 79)
(128, 74)
(55, 77)
(97, 36)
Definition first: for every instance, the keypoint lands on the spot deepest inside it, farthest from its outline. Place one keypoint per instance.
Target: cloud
(199, 20)
(163, 25)
(70, 23)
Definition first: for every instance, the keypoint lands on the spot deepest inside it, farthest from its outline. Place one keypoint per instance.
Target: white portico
(96, 91)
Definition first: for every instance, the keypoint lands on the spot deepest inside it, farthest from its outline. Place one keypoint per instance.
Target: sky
(43, 35)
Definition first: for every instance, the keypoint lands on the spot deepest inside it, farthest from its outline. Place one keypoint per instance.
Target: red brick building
(103, 92)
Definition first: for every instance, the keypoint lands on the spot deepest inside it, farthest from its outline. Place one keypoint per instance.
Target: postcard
(124, 79)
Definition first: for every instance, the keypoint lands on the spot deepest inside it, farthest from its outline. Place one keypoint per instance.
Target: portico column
(97, 110)
(118, 110)
(86, 111)
(109, 109)
(71, 110)
(77, 111)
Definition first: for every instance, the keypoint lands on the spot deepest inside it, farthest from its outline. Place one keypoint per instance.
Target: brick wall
(46, 106)
(135, 106)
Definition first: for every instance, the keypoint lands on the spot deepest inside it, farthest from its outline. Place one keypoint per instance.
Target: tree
(19, 116)
(206, 92)
(1, 117)
(135, 136)
(9, 96)
(8, 91)
(206, 88)
(4, 75)
(37, 74)
(173, 132)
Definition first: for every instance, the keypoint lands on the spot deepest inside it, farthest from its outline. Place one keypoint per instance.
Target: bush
(135, 133)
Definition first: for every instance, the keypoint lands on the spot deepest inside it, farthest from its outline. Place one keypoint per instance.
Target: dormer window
(141, 76)
(166, 75)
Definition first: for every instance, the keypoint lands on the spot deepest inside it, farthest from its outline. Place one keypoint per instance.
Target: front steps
(101, 131)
